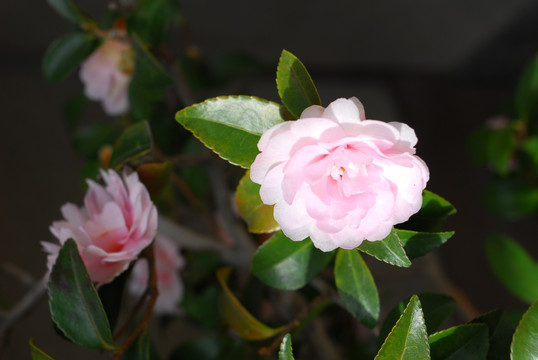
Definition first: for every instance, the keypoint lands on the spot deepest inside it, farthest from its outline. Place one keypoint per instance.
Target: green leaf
(432, 215)
(214, 347)
(258, 216)
(356, 287)
(525, 340)
(38, 354)
(295, 86)
(494, 147)
(286, 264)
(151, 20)
(141, 349)
(88, 140)
(389, 250)
(111, 296)
(147, 85)
(513, 266)
(155, 176)
(66, 53)
(408, 338)
(69, 11)
(134, 141)
(286, 352)
(231, 126)
(511, 198)
(74, 304)
(464, 342)
(526, 96)
(501, 328)
(417, 244)
(237, 317)
(435, 307)
(202, 308)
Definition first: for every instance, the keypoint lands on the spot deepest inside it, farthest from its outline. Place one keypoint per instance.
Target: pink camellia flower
(106, 75)
(338, 178)
(168, 261)
(117, 222)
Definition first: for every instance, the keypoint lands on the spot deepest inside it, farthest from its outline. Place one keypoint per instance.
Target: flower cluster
(117, 222)
(338, 178)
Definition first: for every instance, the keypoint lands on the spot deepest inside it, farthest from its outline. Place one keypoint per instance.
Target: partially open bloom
(106, 75)
(168, 262)
(338, 178)
(117, 222)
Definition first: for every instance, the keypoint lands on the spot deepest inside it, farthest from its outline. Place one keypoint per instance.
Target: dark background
(443, 67)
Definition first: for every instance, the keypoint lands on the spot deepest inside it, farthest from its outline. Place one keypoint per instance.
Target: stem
(153, 292)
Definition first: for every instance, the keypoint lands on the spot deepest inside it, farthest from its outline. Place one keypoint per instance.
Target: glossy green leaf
(237, 317)
(285, 352)
(432, 215)
(525, 340)
(435, 307)
(231, 126)
(66, 53)
(501, 328)
(74, 304)
(258, 216)
(295, 86)
(69, 11)
(417, 244)
(464, 342)
(356, 287)
(286, 264)
(146, 89)
(37, 353)
(408, 339)
(511, 198)
(134, 141)
(513, 266)
(389, 250)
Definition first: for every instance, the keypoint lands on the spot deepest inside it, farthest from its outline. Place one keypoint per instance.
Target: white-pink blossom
(117, 222)
(106, 74)
(168, 262)
(338, 178)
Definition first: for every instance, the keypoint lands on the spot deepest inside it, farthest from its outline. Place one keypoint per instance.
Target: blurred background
(443, 67)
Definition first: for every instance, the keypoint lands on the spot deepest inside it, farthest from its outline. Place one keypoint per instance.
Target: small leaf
(526, 95)
(147, 85)
(286, 352)
(66, 53)
(435, 307)
(295, 86)
(356, 287)
(155, 176)
(513, 266)
(511, 198)
(286, 264)
(74, 304)
(231, 126)
(495, 147)
(432, 215)
(417, 244)
(501, 328)
(408, 339)
(237, 317)
(151, 20)
(69, 11)
(134, 141)
(389, 250)
(38, 354)
(525, 340)
(464, 342)
(258, 216)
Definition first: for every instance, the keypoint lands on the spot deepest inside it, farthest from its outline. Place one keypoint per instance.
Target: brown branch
(153, 292)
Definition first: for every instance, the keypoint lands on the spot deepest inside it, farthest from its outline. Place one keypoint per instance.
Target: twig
(153, 292)
(243, 241)
(18, 273)
(21, 309)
